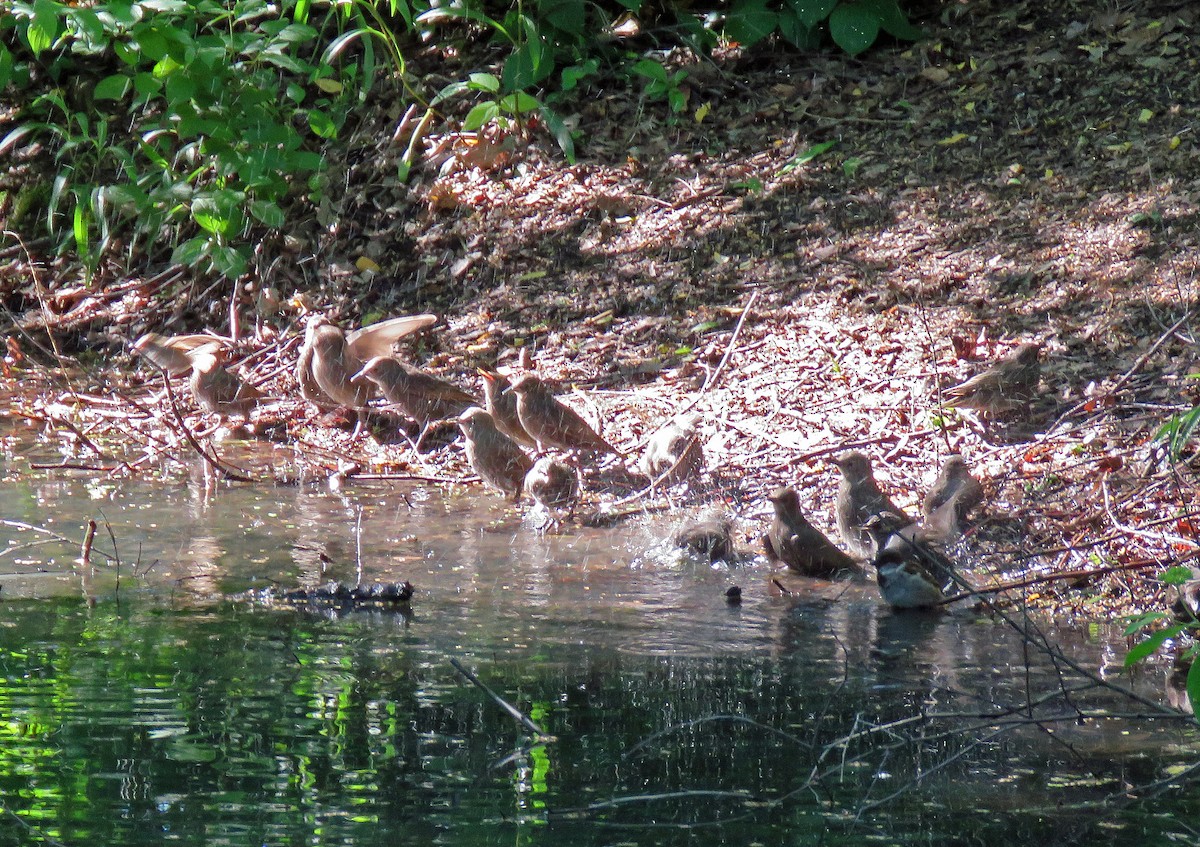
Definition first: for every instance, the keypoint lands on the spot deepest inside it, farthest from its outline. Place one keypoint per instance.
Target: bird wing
(378, 338)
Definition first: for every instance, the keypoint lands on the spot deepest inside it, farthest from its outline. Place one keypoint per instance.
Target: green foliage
(183, 118)
(854, 26)
(1152, 643)
(1178, 430)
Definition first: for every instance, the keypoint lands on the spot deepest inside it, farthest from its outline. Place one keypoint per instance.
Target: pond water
(144, 702)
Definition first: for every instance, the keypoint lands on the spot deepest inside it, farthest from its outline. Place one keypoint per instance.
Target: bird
(858, 498)
(550, 422)
(1186, 607)
(674, 452)
(423, 397)
(217, 389)
(792, 540)
(327, 365)
(330, 356)
(910, 568)
(953, 481)
(170, 353)
(709, 538)
(552, 484)
(1008, 385)
(501, 404)
(494, 456)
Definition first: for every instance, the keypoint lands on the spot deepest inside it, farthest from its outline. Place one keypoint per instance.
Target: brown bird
(709, 538)
(1186, 607)
(910, 567)
(331, 367)
(1010, 384)
(493, 455)
(801, 546)
(215, 388)
(552, 484)
(954, 481)
(858, 498)
(674, 450)
(423, 397)
(502, 406)
(550, 422)
(329, 357)
(170, 353)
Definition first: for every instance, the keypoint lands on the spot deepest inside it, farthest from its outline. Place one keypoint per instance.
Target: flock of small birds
(349, 369)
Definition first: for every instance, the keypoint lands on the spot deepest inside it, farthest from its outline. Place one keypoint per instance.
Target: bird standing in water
(954, 482)
(792, 540)
(552, 484)
(494, 456)
(910, 569)
(858, 500)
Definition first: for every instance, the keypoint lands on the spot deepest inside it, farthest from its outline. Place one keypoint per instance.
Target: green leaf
(1136, 623)
(43, 26)
(807, 156)
(651, 69)
(569, 16)
(481, 114)
(484, 82)
(798, 33)
(191, 251)
(812, 12)
(80, 228)
(112, 87)
(1177, 575)
(529, 65)
(230, 261)
(749, 22)
(520, 103)
(854, 27)
(1151, 644)
(572, 75)
(850, 166)
(561, 132)
(893, 21)
(267, 212)
(1177, 431)
(6, 66)
(321, 124)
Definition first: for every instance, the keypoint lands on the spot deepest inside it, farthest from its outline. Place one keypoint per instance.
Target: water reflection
(152, 705)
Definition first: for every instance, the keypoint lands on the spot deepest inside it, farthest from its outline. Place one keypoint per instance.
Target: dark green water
(138, 707)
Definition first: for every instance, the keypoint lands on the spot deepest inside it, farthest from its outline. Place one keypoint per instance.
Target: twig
(85, 554)
(1162, 538)
(516, 713)
(1128, 375)
(715, 375)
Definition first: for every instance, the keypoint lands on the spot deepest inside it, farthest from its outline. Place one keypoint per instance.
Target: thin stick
(516, 713)
(85, 554)
(737, 330)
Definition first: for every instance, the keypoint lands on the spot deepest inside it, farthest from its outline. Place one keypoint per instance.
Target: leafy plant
(1177, 576)
(222, 110)
(1178, 430)
(854, 25)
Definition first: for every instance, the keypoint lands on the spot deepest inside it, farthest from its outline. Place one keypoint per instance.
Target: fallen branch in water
(517, 714)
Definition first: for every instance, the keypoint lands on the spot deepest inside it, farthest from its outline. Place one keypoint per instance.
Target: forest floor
(1028, 173)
